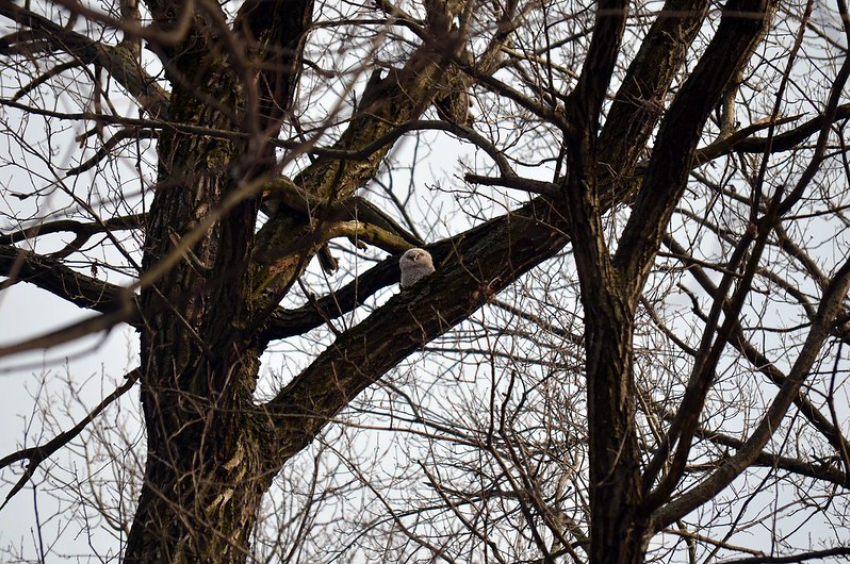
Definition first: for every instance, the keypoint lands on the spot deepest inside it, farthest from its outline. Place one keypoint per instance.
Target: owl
(415, 264)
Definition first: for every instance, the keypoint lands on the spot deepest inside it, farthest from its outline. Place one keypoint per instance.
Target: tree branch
(793, 558)
(749, 452)
(51, 275)
(119, 61)
(37, 455)
(473, 268)
(386, 104)
(639, 103)
(76, 227)
(679, 133)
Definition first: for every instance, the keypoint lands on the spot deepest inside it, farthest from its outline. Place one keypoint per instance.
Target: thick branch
(472, 269)
(385, 104)
(793, 558)
(276, 31)
(586, 100)
(58, 279)
(728, 52)
(639, 103)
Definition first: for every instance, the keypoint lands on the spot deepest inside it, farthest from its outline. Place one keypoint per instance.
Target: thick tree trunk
(205, 475)
(618, 527)
(204, 483)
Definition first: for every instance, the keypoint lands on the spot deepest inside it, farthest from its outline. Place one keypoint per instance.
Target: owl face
(416, 256)
(415, 264)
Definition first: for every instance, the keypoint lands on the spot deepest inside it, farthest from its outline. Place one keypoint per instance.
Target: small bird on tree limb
(415, 264)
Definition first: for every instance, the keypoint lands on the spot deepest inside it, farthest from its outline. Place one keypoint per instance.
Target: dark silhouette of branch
(78, 228)
(792, 558)
(37, 455)
(119, 61)
(51, 275)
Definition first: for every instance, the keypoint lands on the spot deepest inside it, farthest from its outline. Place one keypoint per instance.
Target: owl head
(415, 264)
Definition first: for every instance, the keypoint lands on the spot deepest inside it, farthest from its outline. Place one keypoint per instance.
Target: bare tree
(640, 300)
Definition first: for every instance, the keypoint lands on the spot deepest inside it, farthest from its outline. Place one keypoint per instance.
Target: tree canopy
(632, 347)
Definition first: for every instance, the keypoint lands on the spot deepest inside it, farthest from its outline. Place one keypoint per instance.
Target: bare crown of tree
(632, 347)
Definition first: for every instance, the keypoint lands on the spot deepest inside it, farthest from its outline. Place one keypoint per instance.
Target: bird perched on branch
(415, 264)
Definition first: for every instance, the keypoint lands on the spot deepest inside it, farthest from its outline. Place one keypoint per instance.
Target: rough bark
(212, 451)
(205, 472)
(612, 285)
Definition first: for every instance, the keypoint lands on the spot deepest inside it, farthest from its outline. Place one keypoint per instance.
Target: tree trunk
(204, 483)
(618, 528)
(204, 476)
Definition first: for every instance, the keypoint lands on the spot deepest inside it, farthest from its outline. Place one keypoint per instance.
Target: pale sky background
(26, 311)
(95, 364)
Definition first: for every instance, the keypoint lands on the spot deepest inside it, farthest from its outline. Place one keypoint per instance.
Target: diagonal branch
(585, 102)
(73, 331)
(790, 389)
(758, 360)
(386, 103)
(37, 455)
(51, 275)
(671, 159)
(119, 61)
(639, 102)
(473, 268)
